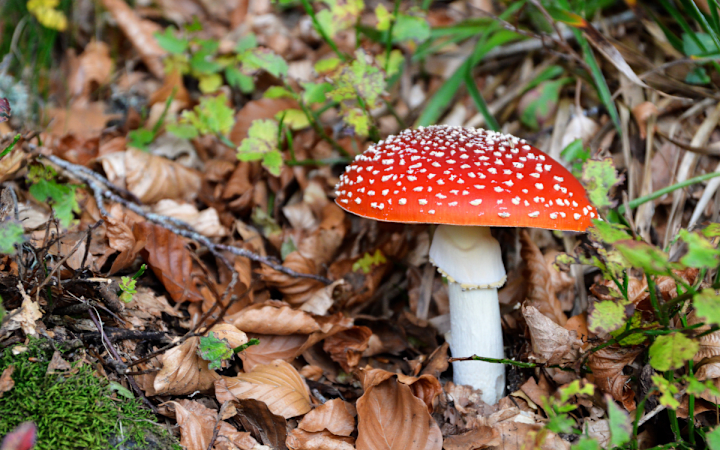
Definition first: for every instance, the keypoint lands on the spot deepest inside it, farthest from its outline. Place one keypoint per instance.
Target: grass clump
(73, 409)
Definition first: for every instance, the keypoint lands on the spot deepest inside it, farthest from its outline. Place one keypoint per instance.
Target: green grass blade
(480, 101)
(666, 190)
(696, 14)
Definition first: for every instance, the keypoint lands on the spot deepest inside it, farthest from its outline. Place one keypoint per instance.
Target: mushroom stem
(471, 260)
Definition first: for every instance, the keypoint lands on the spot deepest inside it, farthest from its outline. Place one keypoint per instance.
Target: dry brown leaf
(231, 439)
(709, 351)
(274, 317)
(477, 438)
(170, 261)
(390, 417)
(541, 281)
(147, 305)
(57, 364)
(637, 288)
(205, 222)
(278, 385)
(153, 178)
(347, 346)
(523, 436)
(196, 422)
(264, 108)
(7, 383)
(255, 417)
(235, 337)
(335, 416)
(295, 290)
(173, 83)
(85, 121)
(424, 387)
(642, 113)
(93, 69)
(302, 440)
(551, 343)
(183, 371)
(140, 33)
(272, 347)
(607, 366)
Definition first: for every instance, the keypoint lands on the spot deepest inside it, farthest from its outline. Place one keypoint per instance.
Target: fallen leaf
(295, 290)
(521, 436)
(272, 347)
(302, 440)
(140, 33)
(335, 416)
(153, 178)
(231, 439)
(84, 121)
(26, 317)
(170, 260)
(607, 366)
(347, 346)
(709, 351)
(278, 385)
(390, 417)
(6, 381)
(541, 287)
(477, 438)
(274, 317)
(205, 222)
(92, 70)
(234, 337)
(551, 343)
(57, 364)
(183, 371)
(146, 304)
(255, 417)
(196, 422)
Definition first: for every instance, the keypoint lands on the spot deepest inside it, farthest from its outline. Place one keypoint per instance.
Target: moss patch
(74, 410)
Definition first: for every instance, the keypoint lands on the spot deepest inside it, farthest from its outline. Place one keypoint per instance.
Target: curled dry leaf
(295, 290)
(477, 438)
(709, 351)
(335, 416)
(7, 383)
(234, 336)
(205, 222)
(277, 384)
(153, 178)
(607, 366)
(424, 387)
(25, 318)
(140, 33)
(272, 347)
(302, 440)
(118, 230)
(196, 422)
(231, 439)
(93, 68)
(642, 113)
(551, 343)
(274, 317)
(170, 261)
(347, 346)
(147, 305)
(541, 290)
(255, 417)
(183, 371)
(390, 417)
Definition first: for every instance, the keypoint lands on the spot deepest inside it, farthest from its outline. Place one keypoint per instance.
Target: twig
(524, 365)
(216, 428)
(96, 181)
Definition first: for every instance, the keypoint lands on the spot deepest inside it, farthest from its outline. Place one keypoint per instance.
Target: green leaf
(712, 230)
(287, 247)
(697, 387)
(698, 76)
(367, 261)
(214, 350)
(315, 92)
(574, 389)
(667, 391)
(576, 154)
(60, 196)
(633, 339)
(586, 443)
(294, 118)
(701, 253)
(410, 28)
(561, 423)
(605, 232)
(11, 234)
(267, 60)
(549, 93)
(707, 306)
(393, 65)
(327, 65)
(357, 119)
(202, 63)
(358, 79)
(249, 343)
(279, 92)
(712, 439)
(127, 286)
(246, 43)
(262, 144)
(383, 16)
(698, 44)
(114, 386)
(239, 80)
(210, 83)
(671, 351)
(273, 162)
(211, 116)
(607, 316)
(600, 177)
(169, 42)
(183, 130)
(140, 138)
(619, 423)
(645, 256)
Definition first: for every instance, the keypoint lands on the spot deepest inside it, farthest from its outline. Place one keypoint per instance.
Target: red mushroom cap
(463, 176)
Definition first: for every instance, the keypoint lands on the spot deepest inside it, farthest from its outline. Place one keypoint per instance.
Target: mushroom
(466, 180)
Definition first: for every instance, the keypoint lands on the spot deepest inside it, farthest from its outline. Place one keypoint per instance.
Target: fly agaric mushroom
(466, 180)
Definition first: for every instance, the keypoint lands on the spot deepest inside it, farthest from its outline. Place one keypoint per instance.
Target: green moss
(73, 411)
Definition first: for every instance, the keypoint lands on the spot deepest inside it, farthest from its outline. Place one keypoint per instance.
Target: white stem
(475, 329)
(471, 259)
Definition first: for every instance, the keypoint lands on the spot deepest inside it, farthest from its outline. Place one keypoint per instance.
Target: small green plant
(127, 285)
(216, 350)
(368, 261)
(45, 188)
(11, 235)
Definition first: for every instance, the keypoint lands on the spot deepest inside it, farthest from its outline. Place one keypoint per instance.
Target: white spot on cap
(422, 201)
(476, 202)
(402, 201)
(432, 211)
(504, 215)
(534, 214)
(553, 216)
(539, 185)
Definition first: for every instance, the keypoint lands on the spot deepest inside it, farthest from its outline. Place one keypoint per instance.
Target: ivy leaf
(701, 253)
(667, 391)
(645, 256)
(61, 196)
(367, 261)
(214, 350)
(707, 306)
(410, 28)
(671, 351)
(600, 177)
(267, 60)
(607, 316)
(11, 234)
(619, 422)
(262, 145)
(170, 42)
(239, 80)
